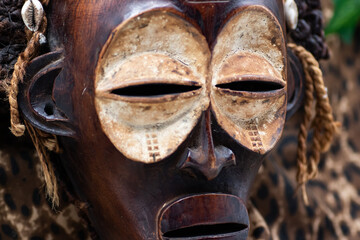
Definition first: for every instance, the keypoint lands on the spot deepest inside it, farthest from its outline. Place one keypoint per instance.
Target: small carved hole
(49, 109)
(153, 90)
(251, 86)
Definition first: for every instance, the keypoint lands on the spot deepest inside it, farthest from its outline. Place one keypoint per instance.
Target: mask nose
(206, 158)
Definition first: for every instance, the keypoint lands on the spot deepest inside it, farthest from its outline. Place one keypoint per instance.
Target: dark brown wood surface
(126, 197)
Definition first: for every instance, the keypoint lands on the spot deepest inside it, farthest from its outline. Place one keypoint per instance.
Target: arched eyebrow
(154, 47)
(253, 31)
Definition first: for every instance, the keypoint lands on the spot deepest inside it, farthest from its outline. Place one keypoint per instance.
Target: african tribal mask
(164, 109)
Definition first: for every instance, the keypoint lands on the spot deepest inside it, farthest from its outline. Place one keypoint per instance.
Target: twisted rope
(17, 128)
(31, 51)
(42, 141)
(323, 122)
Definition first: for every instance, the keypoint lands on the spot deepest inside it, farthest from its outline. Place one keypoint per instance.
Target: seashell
(291, 13)
(32, 13)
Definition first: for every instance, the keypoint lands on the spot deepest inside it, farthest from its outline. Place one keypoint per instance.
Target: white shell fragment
(32, 13)
(291, 13)
(42, 39)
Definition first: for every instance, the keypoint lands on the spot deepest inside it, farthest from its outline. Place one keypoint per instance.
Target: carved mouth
(205, 216)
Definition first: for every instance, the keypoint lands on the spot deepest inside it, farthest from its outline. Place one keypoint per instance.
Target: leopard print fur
(25, 212)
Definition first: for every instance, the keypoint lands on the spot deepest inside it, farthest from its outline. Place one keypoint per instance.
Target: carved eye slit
(154, 90)
(205, 230)
(251, 86)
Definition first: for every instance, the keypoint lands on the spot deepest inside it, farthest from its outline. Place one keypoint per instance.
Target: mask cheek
(255, 120)
(148, 132)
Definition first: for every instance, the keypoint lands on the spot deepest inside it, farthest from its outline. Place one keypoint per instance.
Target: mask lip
(230, 209)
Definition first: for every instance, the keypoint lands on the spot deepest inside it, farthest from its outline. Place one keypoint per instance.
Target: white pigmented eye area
(248, 93)
(142, 114)
(159, 72)
(156, 76)
(150, 88)
(254, 119)
(242, 109)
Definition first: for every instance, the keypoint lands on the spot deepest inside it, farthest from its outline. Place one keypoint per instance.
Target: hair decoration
(35, 20)
(309, 31)
(32, 13)
(291, 14)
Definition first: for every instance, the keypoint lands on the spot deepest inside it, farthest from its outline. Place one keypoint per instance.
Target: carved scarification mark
(255, 139)
(153, 147)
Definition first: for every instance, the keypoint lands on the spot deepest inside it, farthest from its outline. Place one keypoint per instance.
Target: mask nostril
(226, 154)
(209, 165)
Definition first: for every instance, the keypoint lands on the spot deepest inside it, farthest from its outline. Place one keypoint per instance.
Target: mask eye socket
(254, 87)
(251, 110)
(155, 90)
(150, 85)
(251, 86)
(248, 90)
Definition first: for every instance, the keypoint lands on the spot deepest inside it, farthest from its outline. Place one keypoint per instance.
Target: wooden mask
(164, 109)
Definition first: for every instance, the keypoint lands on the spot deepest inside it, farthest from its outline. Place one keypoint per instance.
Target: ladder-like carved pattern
(153, 147)
(255, 139)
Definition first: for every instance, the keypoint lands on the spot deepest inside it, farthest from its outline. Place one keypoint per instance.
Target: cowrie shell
(291, 14)
(32, 13)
